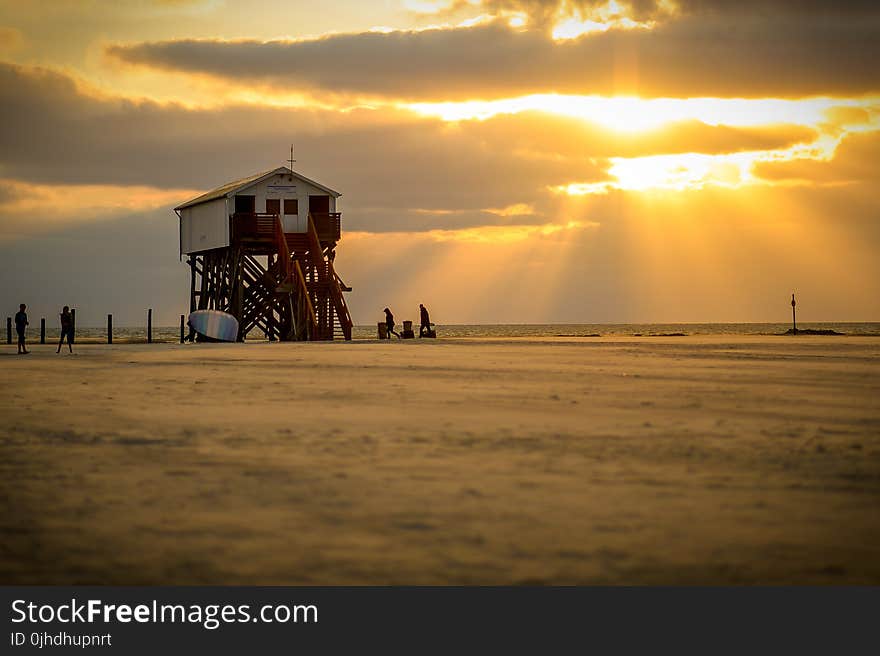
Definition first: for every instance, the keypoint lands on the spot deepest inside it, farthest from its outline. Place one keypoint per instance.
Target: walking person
(389, 324)
(66, 329)
(21, 322)
(425, 321)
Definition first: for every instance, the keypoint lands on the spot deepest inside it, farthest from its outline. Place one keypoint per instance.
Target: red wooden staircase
(296, 294)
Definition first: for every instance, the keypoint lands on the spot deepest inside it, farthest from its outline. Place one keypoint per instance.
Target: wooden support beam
(109, 328)
(150, 326)
(192, 283)
(43, 330)
(203, 294)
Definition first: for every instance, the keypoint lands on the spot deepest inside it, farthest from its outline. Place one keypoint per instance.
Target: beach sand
(681, 460)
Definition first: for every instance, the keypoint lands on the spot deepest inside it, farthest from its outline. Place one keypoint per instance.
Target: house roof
(231, 188)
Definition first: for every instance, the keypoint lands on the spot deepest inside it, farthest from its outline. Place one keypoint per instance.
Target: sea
(131, 334)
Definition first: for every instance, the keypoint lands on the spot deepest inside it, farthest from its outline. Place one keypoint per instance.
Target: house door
(319, 204)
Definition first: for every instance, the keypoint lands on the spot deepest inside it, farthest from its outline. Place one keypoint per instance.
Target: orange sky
(500, 160)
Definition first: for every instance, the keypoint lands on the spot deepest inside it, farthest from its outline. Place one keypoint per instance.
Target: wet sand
(681, 460)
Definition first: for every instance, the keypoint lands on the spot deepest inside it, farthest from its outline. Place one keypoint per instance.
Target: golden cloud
(697, 54)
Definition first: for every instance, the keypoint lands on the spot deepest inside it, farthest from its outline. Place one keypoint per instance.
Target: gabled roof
(231, 188)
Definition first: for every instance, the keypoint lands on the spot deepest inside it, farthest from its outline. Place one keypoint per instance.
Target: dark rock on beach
(811, 331)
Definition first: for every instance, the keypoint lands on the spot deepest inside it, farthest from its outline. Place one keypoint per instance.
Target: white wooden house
(262, 249)
(206, 221)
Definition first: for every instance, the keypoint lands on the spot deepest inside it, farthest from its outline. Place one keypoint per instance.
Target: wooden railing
(258, 225)
(339, 302)
(327, 276)
(283, 250)
(254, 225)
(306, 319)
(328, 225)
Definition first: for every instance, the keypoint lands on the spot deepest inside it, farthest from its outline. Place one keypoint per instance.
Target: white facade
(283, 187)
(206, 225)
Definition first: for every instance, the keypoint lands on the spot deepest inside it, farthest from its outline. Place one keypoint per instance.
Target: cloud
(391, 165)
(390, 161)
(548, 136)
(855, 160)
(61, 206)
(703, 53)
(546, 11)
(82, 174)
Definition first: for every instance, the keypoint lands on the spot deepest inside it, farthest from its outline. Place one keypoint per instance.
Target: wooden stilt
(9, 330)
(43, 330)
(150, 326)
(192, 284)
(109, 328)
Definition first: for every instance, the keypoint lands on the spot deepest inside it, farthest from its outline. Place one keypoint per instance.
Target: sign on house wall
(279, 190)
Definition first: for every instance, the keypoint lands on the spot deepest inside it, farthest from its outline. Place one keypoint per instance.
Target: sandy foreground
(683, 460)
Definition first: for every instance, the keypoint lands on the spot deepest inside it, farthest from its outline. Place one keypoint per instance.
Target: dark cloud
(384, 161)
(389, 165)
(748, 54)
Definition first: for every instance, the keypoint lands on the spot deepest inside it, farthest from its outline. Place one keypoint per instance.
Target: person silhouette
(425, 320)
(21, 322)
(389, 324)
(66, 329)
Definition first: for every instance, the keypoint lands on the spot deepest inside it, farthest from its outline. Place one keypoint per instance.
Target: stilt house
(262, 249)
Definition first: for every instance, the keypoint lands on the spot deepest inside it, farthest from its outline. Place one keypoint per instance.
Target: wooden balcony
(254, 232)
(328, 225)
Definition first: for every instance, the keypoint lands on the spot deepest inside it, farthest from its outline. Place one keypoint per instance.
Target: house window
(245, 204)
(291, 206)
(273, 206)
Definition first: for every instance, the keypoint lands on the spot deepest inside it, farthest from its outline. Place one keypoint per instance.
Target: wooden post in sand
(9, 330)
(150, 326)
(793, 317)
(181, 329)
(43, 330)
(109, 328)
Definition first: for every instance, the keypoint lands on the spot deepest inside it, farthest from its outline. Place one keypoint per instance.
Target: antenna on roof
(291, 160)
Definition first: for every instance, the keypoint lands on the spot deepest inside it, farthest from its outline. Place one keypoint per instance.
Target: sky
(500, 161)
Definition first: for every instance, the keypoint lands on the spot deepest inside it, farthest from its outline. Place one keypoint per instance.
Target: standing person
(21, 322)
(66, 329)
(389, 323)
(425, 320)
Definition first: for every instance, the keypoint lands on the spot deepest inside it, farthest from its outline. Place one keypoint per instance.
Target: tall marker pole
(793, 317)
